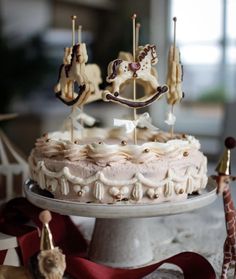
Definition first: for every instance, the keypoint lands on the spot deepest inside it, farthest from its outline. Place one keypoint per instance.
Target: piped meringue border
(193, 180)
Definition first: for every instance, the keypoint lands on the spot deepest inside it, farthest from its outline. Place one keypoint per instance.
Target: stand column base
(121, 243)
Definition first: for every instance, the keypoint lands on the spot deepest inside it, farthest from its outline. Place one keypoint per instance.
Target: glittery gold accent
(46, 242)
(223, 166)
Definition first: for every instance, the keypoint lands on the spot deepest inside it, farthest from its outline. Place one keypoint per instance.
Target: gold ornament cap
(223, 167)
(46, 242)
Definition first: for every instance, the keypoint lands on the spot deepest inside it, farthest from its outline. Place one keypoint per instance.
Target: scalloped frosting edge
(135, 188)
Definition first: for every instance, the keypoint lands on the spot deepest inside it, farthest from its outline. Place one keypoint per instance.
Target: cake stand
(120, 237)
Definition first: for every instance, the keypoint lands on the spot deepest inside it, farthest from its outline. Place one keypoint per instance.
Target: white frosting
(64, 186)
(137, 192)
(172, 183)
(103, 153)
(103, 172)
(98, 190)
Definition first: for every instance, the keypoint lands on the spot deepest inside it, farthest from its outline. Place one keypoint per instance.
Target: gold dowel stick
(134, 80)
(174, 54)
(174, 42)
(73, 18)
(134, 36)
(172, 126)
(138, 25)
(80, 34)
(82, 106)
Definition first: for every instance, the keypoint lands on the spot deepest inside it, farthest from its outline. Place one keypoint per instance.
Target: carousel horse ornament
(174, 81)
(175, 73)
(121, 71)
(223, 187)
(174, 77)
(148, 90)
(72, 72)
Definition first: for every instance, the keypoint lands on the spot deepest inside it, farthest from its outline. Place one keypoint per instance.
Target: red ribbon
(67, 236)
(2, 256)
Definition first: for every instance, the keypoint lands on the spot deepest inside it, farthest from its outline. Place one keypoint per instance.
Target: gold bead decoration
(185, 154)
(80, 193)
(124, 142)
(181, 191)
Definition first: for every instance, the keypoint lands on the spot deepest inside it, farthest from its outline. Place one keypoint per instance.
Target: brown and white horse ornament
(73, 72)
(121, 71)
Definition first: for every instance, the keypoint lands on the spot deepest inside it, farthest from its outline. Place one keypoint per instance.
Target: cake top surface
(106, 150)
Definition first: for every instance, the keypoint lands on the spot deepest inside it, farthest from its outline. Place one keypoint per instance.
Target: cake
(131, 163)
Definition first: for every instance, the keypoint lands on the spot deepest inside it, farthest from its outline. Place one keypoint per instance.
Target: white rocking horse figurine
(121, 71)
(73, 70)
(148, 90)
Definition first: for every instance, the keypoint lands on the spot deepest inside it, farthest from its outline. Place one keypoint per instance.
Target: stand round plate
(120, 237)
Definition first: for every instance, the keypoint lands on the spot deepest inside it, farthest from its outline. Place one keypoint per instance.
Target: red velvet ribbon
(67, 236)
(2, 256)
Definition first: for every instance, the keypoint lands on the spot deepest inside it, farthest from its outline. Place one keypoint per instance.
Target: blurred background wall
(34, 33)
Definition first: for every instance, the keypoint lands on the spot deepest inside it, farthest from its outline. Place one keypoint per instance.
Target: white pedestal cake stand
(120, 237)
